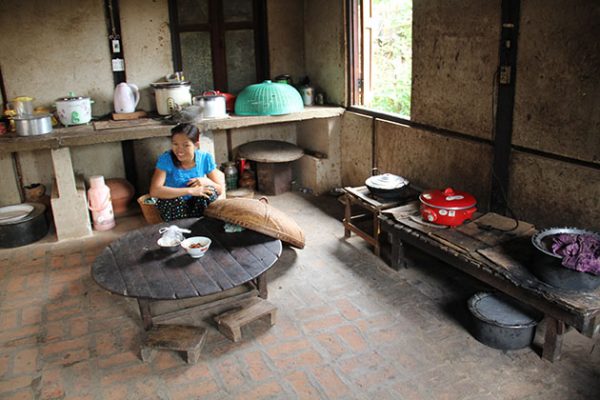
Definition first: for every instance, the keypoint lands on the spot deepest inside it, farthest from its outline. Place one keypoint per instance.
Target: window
(381, 55)
(219, 44)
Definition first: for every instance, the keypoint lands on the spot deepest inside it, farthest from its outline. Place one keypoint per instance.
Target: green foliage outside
(392, 56)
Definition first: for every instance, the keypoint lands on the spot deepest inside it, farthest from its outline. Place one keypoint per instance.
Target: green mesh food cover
(268, 98)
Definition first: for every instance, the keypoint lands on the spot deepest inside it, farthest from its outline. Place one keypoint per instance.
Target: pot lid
(448, 198)
(167, 85)
(501, 311)
(386, 181)
(31, 116)
(72, 97)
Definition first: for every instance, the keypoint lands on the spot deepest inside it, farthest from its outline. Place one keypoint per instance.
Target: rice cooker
(447, 207)
(172, 96)
(74, 110)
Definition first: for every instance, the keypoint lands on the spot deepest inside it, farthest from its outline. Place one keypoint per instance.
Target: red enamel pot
(447, 207)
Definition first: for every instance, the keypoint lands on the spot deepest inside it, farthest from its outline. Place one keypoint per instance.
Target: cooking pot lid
(168, 85)
(32, 116)
(17, 212)
(386, 181)
(500, 311)
(73, 98)
(448, 198)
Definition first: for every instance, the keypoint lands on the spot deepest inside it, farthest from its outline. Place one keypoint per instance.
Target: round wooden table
(135, 266)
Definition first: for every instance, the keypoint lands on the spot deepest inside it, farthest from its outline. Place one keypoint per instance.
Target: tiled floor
(349, 328)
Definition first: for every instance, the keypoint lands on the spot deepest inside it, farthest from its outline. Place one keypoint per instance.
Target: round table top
(135, 266)
(270, 151)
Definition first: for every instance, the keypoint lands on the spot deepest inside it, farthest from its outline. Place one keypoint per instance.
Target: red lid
(449, 199)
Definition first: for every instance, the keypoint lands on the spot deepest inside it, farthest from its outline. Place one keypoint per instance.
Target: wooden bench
(188, 339)
(499, 258)
(231, 322)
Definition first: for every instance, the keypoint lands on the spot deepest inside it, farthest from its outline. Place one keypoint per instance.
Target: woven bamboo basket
(150, 212)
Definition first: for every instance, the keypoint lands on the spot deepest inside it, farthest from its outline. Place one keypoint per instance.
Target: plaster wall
(325, 48)
(455, 56)
(146, 45)
(554, 193)
(356, 148)
(286, 38)
(434, 161)
(558, 90)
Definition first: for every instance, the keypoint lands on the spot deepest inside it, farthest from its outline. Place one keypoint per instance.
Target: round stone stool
(273, 163)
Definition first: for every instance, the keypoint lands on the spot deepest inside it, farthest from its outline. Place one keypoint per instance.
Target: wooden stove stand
(360, 196)
(561, 308)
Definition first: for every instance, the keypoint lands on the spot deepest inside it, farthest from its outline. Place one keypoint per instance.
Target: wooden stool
(273, 163)
(189, 339)
(231, 322)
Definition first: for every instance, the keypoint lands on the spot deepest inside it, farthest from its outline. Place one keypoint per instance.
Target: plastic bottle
(100, 204)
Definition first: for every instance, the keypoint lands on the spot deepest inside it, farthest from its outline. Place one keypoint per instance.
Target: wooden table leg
(398, 259)
(262, 285)
(144, 306)
(553, 339)
(376, 230)
(347, 216)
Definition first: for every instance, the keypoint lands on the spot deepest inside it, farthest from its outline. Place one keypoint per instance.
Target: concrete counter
(87, 134)
(69, 201)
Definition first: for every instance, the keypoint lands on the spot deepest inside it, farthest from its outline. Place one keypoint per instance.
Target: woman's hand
(198, 188)
(197, 182)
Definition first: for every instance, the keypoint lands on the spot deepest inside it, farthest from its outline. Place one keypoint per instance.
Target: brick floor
(349, 327)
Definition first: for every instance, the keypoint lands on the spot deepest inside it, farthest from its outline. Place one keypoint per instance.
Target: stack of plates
(14, 213)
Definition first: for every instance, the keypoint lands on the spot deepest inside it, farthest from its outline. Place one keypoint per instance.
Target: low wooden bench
(231, 322)
(187, 339)
(499, 258)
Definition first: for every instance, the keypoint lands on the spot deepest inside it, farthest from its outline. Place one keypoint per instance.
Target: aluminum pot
(548, 268)
(213, 104)
(74, 110)
(448, 207)
(502, 323)
(32, 125)
(387, 186)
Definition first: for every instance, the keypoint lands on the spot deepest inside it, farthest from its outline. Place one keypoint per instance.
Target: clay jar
(121, 193)
(36, 193)
(247, 180)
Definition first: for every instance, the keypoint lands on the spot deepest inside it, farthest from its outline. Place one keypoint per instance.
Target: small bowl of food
(196, 246)
(168, 245)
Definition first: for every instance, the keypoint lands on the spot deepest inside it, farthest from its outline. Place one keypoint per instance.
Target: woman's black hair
(191, 131)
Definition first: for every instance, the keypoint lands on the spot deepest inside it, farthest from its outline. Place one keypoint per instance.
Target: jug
(127, 97)
(100, 204)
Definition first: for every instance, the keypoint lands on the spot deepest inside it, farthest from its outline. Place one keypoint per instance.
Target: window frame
(217, 27)
(356, 78)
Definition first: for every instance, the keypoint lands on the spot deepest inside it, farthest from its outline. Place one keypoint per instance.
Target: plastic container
(231, 175)
(100, 204)
(268, 98)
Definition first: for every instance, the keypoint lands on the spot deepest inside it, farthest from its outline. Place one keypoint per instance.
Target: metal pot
(387, 186)
(212, 104)
(74, 110)
(32, 125)
(501, 322)
(547, 266)
(172, 96)
(449, 207)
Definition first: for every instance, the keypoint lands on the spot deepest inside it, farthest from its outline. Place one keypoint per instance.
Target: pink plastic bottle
(99, 203)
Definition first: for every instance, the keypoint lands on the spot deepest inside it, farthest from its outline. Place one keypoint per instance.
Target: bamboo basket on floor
(150, 212)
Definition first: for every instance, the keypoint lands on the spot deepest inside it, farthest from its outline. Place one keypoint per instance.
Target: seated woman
(185, 179)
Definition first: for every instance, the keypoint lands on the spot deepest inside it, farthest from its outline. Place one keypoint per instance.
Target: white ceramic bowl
(196, 246)
(169, 246)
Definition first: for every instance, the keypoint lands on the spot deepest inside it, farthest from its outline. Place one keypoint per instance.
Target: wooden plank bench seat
(499, 259)
(231, 322)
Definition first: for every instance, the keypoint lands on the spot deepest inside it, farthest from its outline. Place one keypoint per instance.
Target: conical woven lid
(268, 98)
(258, 216)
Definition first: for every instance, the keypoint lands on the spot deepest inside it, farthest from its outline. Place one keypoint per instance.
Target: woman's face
(183, 147)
